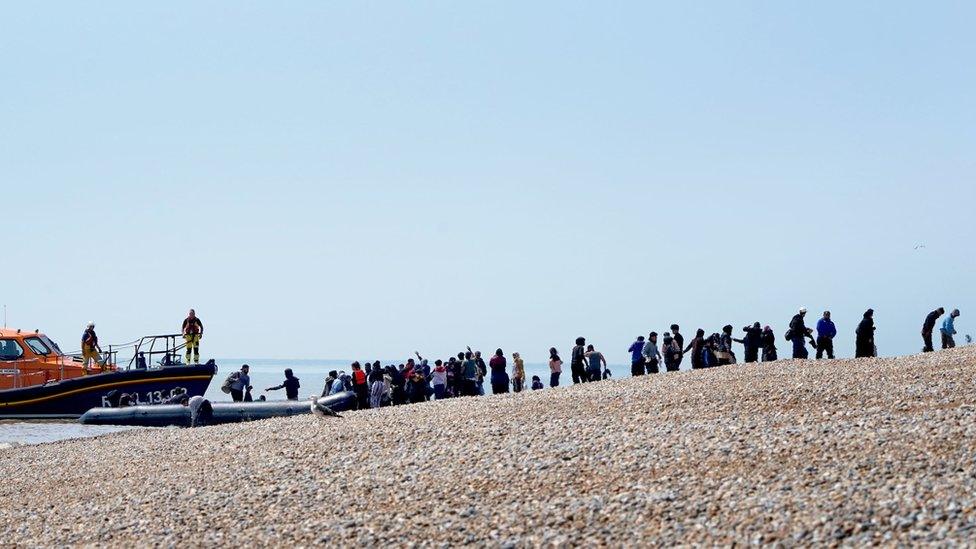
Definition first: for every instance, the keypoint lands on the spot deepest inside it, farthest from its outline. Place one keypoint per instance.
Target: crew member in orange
(192, 332)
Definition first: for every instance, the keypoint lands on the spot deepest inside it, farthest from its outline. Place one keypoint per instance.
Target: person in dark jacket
(752, 342)
(416, 388)
(697, 346)
(578, 362)
(290, 385)
(864, 340)
(825, 336)
(680, 340)
(672, 353)
(637, 362)
(799, 333)
(499, 376)
(928, 327)
(768, 345)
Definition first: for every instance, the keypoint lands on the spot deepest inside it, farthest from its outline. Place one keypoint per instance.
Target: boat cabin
(32, 358)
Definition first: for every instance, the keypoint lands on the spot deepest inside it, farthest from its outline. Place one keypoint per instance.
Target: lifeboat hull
(71, 398)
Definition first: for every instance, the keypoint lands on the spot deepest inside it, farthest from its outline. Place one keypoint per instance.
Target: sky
(361, 180)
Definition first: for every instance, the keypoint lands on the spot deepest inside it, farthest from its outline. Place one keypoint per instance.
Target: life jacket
(358, 377)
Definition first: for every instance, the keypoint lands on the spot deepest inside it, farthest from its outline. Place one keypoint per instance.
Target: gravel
(844, 452)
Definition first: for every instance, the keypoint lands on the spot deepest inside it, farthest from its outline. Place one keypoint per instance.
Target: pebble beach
(845, 452)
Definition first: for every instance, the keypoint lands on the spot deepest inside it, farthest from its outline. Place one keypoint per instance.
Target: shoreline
(850, 450)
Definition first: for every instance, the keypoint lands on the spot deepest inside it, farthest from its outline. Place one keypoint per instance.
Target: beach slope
(845, 451)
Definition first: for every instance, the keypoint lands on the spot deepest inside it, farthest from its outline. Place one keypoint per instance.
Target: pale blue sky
(364, 179)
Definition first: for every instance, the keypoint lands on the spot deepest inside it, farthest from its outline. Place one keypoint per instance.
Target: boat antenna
(5, 315)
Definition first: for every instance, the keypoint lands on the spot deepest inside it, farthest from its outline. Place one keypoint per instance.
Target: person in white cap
(799, 333)
(89, 348)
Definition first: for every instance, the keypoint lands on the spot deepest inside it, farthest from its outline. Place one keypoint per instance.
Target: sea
(264, 373)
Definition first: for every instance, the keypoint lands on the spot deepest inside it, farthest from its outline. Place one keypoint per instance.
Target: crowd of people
(466, 374)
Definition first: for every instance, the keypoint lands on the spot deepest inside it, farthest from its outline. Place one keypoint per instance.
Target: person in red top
(192, 333)
(360, 386)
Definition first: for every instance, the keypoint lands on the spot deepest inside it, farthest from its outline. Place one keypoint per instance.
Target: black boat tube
(165, 415)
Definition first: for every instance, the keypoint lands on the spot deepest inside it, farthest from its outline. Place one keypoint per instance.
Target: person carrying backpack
(672, 353)
(798, 334)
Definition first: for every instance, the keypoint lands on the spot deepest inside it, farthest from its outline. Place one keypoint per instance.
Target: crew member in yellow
(192, 332)
(90, 349)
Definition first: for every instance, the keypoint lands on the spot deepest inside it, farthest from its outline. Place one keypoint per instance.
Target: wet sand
(846, 451)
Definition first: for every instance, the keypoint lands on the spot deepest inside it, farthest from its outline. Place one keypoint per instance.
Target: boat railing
(165, 346)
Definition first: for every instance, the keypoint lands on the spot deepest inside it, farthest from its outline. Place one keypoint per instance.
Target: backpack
(789, 335)
(231, 379)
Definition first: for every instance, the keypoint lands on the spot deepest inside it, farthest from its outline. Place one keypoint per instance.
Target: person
(577, 364)
(672, 352)
(471, 374)
(928, 327)
(825, 336)
(555, 367)
(596, 363)
(536, 383)
(768, 345)
(864, 336)
(651, 354)
(949, 329)
(438, 377)
(752, 342)
(697, 347)
(518, 373)
(374, 381)
(241, 384)
(192, 333)
(360, 386)
(141, 361)
(457, 366)
(90, 350)
(329, 380)
(398, 384)
(723, 347)
(499, 377)
(290, 385)
(798, 334)
(680, 340)
(201, 411)
(416, 388)
(637, 360)
(342, 384)
(482, 371)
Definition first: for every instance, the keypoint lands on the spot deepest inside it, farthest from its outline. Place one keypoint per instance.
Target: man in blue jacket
(637, 357)
(949, 330)
(825, 336)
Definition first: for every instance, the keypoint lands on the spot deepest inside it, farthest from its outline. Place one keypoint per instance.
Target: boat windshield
(37, 345)
(10, 349)
(51, 345)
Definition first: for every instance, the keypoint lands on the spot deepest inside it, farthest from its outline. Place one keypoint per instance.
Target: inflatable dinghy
(165, 415)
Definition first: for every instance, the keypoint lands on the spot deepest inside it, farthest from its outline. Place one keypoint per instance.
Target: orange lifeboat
(32, 358)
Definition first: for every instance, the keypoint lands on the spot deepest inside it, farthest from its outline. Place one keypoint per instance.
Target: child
(536, 383)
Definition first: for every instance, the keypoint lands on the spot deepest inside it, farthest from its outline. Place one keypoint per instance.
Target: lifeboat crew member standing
(192, 332)
(90, 349)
